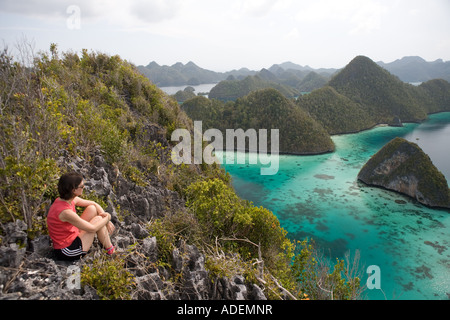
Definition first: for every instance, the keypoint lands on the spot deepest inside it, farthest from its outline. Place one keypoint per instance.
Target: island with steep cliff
(402, 166)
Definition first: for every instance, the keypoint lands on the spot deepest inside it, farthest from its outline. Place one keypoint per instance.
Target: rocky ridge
(29, 271)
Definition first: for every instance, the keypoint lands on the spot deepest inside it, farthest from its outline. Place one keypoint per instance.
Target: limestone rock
(402, 166)
(29, 271)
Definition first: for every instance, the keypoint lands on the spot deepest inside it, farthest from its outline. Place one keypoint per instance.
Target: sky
(223, 35)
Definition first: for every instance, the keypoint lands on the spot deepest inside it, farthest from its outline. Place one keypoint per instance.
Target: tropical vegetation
(364, 94)
(65, 104)
(264, 109)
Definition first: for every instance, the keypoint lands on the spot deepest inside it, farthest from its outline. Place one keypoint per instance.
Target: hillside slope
(181, 230)
(268, 109)
(264, 109)
(230, 90)
(337, 113)
(97, 115)
(363, 94)
(383, 95)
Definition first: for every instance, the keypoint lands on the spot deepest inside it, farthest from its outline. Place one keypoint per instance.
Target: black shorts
(72, 252)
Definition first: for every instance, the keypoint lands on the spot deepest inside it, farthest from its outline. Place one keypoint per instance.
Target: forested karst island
(358, 97)
(403, 167)
(264, 109)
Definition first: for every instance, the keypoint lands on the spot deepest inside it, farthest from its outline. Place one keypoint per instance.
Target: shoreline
(389, 125)
(378, 125)
(414, 199)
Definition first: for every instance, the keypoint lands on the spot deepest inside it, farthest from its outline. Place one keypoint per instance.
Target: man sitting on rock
(73, 235)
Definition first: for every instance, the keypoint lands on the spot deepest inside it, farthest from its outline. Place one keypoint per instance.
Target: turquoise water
(319, 197)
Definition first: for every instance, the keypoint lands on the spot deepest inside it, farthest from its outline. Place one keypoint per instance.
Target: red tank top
(62, 233)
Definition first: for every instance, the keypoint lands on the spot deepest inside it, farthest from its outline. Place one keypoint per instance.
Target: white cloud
(368, 18)
(53, 9)
(129, 13)
(319, 11)
(414, 12)
(154, 11)
(257, 8)
(362, 16)
(294, 34)
(31, 7)
(238, 33)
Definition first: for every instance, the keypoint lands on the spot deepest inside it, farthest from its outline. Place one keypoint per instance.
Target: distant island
(415, 69)
(358, 97)
(403, 167)
(410, 69)
(188, 74)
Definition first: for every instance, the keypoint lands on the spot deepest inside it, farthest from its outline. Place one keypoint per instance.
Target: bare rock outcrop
(402, 166)
(29, 271)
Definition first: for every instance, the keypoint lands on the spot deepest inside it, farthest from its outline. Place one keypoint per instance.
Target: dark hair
(67, 183)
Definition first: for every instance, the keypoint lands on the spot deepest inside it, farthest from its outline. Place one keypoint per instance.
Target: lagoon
(201, 88)
(319, 197)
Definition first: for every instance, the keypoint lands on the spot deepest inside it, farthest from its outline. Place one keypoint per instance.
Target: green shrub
(170, 229)
(240, 227)
(218, 208)
(313, 277)
(109, 277)
(27, 188)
